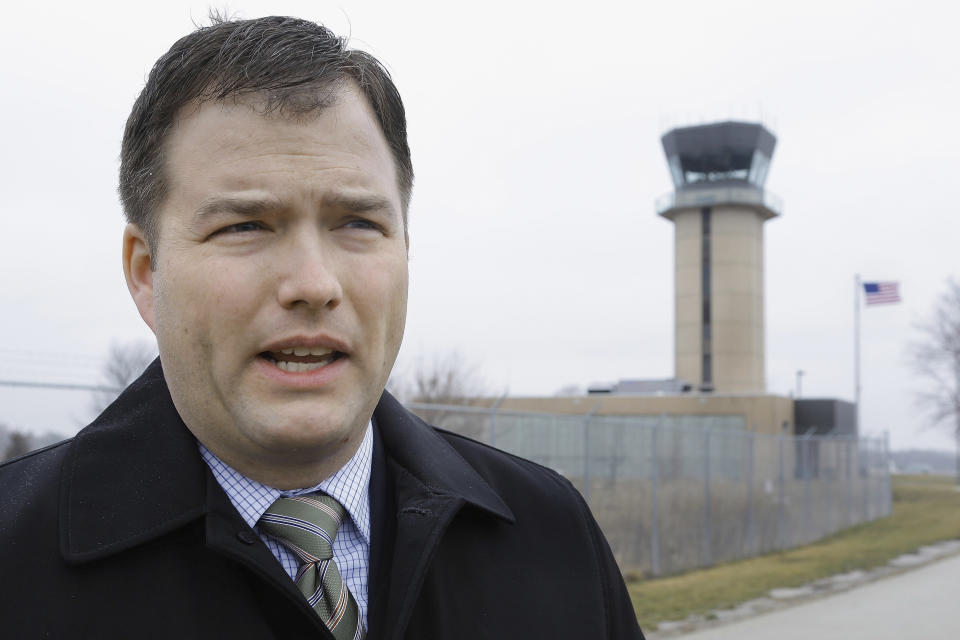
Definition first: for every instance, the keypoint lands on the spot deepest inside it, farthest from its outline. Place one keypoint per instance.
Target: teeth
(299, 367)
(307, 351)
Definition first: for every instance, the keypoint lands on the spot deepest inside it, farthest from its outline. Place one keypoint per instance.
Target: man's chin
(309, 440)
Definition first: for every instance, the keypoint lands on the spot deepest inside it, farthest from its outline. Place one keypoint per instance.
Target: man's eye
(242, 227)
(360, 223)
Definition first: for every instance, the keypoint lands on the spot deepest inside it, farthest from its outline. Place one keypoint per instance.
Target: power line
(44, 369)
(59, 356)
(59, 385)
(30, 368)
(25, 364)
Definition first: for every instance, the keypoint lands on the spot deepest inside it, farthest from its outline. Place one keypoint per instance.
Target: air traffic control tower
(718, 207)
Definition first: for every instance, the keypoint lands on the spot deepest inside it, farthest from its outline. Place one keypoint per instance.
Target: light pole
(800, 373)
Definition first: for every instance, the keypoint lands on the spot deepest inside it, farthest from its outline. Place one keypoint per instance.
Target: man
(257, 481)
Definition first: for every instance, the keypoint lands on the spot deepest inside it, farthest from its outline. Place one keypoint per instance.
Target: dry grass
(926, 509)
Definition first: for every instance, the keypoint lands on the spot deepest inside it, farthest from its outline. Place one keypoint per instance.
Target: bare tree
(17, 445)
(569, 391)
(125, 363)
(935, 357)
(447, 379)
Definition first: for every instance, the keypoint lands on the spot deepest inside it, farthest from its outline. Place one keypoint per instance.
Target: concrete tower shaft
(718, 208)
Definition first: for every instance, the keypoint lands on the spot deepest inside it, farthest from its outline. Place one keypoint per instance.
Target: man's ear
(138, 271)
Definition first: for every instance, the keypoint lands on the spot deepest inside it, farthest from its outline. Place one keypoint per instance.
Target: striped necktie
(307, 525)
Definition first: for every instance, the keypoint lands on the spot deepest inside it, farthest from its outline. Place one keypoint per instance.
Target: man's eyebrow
(251, 207)
(231, 204)
(358, 203)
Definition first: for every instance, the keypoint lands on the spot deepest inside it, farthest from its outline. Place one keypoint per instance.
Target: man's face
(280, 285)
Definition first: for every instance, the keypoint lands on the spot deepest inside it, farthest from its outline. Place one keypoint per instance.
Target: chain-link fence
(673, 493)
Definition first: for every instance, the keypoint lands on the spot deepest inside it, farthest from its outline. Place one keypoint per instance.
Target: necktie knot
(308, 525)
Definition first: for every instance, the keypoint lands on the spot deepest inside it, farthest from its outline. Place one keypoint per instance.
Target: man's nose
(310, 278)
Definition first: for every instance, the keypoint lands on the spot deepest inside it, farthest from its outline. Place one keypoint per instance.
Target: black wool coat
(122, 532)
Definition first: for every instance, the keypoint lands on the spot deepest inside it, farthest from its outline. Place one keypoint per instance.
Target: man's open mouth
(300, 359)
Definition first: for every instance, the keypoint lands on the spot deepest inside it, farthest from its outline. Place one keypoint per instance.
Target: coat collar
(432, 461)
(135, 473)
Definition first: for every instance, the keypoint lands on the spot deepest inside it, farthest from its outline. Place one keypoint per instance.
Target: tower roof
(720, 152)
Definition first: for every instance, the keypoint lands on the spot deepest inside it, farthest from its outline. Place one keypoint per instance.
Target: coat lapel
(428, 485)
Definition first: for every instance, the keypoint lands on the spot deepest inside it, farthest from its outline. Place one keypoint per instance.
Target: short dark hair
(296, 65)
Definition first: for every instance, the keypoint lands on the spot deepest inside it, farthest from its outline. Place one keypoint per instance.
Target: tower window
(706, 344)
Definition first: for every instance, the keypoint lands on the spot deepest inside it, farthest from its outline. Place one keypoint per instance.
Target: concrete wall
(766, 414)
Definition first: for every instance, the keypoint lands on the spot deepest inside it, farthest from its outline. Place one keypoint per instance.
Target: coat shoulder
(29, 503)
(508, 473)
(541, 498)
(29, 481)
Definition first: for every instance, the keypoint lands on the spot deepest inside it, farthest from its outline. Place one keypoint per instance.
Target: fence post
(878, 490)
(586, 454)
(865, 466)
(882, 478)
(827, 479)
(888, 488)
(751, 540)
(492, 438)
(873, 490)
(850, 520)
(655, 498)
(707, 537)
(781, 498)
(805, 469)
(878, 501)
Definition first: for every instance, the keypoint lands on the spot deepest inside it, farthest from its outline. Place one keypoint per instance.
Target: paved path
(921, 604)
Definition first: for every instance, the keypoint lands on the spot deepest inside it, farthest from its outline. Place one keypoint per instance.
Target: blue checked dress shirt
(350, 486)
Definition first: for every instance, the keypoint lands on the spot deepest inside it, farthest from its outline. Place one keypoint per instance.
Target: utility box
(824, 416)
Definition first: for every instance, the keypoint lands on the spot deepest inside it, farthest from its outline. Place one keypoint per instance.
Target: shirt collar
(350, 486)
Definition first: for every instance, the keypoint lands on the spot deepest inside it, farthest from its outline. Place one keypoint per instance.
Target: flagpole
(856, 348)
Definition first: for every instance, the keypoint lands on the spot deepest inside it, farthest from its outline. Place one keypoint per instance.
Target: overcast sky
(535, 131)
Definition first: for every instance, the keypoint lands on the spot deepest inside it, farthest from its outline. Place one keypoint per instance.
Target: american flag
(882, 292)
